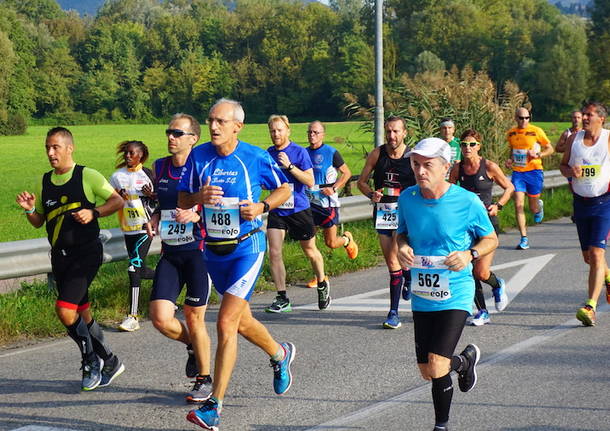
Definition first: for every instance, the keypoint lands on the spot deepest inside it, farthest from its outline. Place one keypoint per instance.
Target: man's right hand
(210, 195)
(406, 256)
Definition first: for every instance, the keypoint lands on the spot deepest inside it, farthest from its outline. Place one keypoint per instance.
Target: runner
(575, 128)
(182, 259)
(392, 173)
(478, 175)
(442, 229)
(323, 196)
(227, 175)
(447, 127)
(128, 181)
(293, 216)
(587, 162)
(67, 205)
(528, 145)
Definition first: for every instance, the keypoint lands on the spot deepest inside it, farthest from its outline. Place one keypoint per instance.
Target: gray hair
(238, 111)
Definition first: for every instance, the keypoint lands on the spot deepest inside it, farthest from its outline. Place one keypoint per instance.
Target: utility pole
(379, 114)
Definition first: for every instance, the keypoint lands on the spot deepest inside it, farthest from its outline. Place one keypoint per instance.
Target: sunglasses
(523, 118)
(471, 144)
(177, 133)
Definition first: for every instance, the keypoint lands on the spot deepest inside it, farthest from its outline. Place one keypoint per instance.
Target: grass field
(25, 160)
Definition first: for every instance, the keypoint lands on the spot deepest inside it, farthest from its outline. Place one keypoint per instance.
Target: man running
(392, 173)
(227, 176)
(67, 206)
(447, 127)
(293, 216)
(182, 259)
(442, 230)
(528, 145)
(330, 174)
(575, 128)
(587, 161)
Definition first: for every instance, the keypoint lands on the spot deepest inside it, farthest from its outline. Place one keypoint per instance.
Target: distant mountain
(88, 7)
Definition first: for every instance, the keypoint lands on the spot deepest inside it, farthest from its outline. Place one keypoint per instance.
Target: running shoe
(202, 390)
(351, 248)
(524, 244)
(406, 287)
(393, 321)
(440, 428)
(314, 282)
(467, 377)
(130, 324)
(282, 377)
(92, 373)
(540, 214)
(480, 318)
(279, 305)
(586, 314)
(206, 416)
(500, 296)
(112, 369)
(324, 298)
(191, 369)
(608, 291)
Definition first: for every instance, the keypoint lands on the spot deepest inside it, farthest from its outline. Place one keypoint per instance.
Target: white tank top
(595, 163)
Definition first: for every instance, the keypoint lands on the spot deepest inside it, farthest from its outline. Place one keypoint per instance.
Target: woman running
(478, 175)
(128, 181)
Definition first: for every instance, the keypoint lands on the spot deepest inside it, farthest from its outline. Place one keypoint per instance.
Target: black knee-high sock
(442, 393)
(492, 280)
(406, 277)
(395, 288)
(458, 363)
(80, 334)
(97, 339)
(479, 297)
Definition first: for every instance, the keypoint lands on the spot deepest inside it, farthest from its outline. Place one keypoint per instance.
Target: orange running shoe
(351, 248)
(314, 282)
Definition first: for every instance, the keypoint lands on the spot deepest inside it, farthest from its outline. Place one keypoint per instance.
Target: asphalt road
(540, 369)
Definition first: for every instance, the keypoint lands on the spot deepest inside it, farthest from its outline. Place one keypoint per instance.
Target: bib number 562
(428, 280)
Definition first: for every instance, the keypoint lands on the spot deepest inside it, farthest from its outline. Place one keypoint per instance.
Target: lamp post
(379, 114)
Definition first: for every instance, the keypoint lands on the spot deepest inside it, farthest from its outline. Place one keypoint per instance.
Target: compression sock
(406, 277)
(442, 393)
(395, 288)
(479, 298)
(80, 334)
(492, 281)
(97, 339)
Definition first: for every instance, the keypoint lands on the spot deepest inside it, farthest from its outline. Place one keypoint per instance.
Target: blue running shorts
(530, 182)
(236, 276)
(592, 218)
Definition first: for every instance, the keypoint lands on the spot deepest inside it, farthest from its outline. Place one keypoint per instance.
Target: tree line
(143, 60)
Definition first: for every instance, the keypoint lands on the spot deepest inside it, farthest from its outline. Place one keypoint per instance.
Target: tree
(599, 40)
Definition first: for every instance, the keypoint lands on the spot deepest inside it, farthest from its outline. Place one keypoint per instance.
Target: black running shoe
(191, 370)
(324, 298)
(112, 369)
(467, 377)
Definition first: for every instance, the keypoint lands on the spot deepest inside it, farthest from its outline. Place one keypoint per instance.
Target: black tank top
(479, 183)
(393, 173)
(59, 202)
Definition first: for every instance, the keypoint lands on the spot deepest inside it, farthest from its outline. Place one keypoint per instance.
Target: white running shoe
(130, 324)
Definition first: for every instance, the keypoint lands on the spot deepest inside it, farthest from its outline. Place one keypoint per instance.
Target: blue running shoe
(500, 296)
(206, 416)
(524, 244)
(282, 377)
(406, 287)
(540, 214)
(480, 319)
(393, 321)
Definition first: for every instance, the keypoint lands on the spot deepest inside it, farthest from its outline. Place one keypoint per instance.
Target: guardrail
(31, 257)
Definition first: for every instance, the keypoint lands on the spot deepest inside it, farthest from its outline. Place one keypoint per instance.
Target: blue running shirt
(435, 228)
(298, 156)
(326, 161)
(242, 175)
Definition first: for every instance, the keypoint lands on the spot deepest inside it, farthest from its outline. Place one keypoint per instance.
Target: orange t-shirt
(521, 140)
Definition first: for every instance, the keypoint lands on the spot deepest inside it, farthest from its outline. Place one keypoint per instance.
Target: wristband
(265, 207)
(370, 195)
(28, 212)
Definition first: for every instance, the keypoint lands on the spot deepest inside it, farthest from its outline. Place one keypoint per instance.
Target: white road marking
(378, 300)
(32, 349)
(41, 428)
(415, 393)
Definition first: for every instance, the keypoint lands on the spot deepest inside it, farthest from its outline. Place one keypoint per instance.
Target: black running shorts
(299, 225)
(437, 332)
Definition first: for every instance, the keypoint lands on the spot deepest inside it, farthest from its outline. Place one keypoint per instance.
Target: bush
(469, 98)
(14, 124)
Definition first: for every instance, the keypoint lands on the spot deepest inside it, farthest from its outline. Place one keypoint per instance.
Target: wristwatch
(265, 207)
(500, 206)
(96, 213)
(474, 254)
(290, 167)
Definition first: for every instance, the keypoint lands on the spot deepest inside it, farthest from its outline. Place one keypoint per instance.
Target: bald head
(522, 117)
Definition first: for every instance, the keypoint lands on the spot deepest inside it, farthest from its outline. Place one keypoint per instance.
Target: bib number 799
(428, 280)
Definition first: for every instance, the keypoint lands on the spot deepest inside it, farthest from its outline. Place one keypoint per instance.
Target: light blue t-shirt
(242, 175)
(437, 227)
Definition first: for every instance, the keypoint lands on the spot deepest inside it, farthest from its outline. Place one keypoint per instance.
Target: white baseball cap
(432, 147)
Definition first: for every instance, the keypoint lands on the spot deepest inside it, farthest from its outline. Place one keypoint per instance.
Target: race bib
(520, 158)
(386, 216)
(174, 233)
(590, 173)
(289, 204)
(222, 219)
(429, 278)
(134, 216)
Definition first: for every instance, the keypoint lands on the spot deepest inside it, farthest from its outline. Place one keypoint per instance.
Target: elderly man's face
(591, 119)
(315, 135)
(222, 124)
(429, 172)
